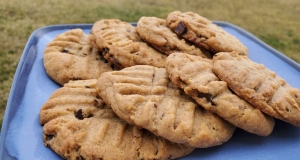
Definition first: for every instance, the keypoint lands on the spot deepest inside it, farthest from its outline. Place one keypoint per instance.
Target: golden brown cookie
(195, 76)
(121, 45)
(71, 56)
(77, 124)
(144, 95)
(259, 86)
(155, 32)
(203, 33)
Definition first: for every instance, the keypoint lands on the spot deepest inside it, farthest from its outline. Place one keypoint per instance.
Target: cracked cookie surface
(155, 32)
(121, 45)
(71, 56)
(195, 76)
(144, 95)
(258, 85)
(77, 124)
(203, 33)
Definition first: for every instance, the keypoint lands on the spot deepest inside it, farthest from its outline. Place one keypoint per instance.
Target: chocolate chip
(104, 51)
(205, 95)
(97, 96)
(113, 67)
(117, 63)
(181, 28)
(79, 114)
(101, 54)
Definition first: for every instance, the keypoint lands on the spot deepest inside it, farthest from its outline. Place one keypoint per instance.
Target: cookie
(144, 96)
(77, 124)
(71, 56)
(195, 76)
(121, 45)
(258, 85)
(155, 32)
(203, 33)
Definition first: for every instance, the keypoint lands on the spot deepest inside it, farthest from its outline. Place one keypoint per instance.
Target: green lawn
(275, 22)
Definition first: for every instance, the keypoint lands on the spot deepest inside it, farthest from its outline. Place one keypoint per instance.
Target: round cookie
(155, 32)
(195, 76)
(71, 56)
(121, 45)
(77, 124)
(204, 33)
(259, 86)
(144, 96)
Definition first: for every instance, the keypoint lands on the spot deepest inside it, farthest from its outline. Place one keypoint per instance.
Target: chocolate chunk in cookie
(155, 32)
(122, 46)
(203, 33)
(77, 124)
(144, 96)
(71, 56)
(195, 76)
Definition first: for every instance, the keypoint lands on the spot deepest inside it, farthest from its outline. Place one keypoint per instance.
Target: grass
(274, 22)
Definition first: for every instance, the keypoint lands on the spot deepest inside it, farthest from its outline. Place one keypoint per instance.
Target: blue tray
(21, 134)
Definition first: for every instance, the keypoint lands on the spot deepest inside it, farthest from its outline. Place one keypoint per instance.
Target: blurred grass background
(275, 22)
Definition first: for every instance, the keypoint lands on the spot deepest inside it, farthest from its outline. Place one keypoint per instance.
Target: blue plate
(21, 134)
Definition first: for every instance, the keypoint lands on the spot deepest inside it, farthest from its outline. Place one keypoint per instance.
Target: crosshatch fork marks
(259, 86)
(89, 129)
(160, 107)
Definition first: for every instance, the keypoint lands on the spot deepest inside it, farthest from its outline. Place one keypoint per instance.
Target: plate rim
(29, 55)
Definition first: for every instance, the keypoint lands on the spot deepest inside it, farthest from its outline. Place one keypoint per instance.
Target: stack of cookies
(158, 90)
